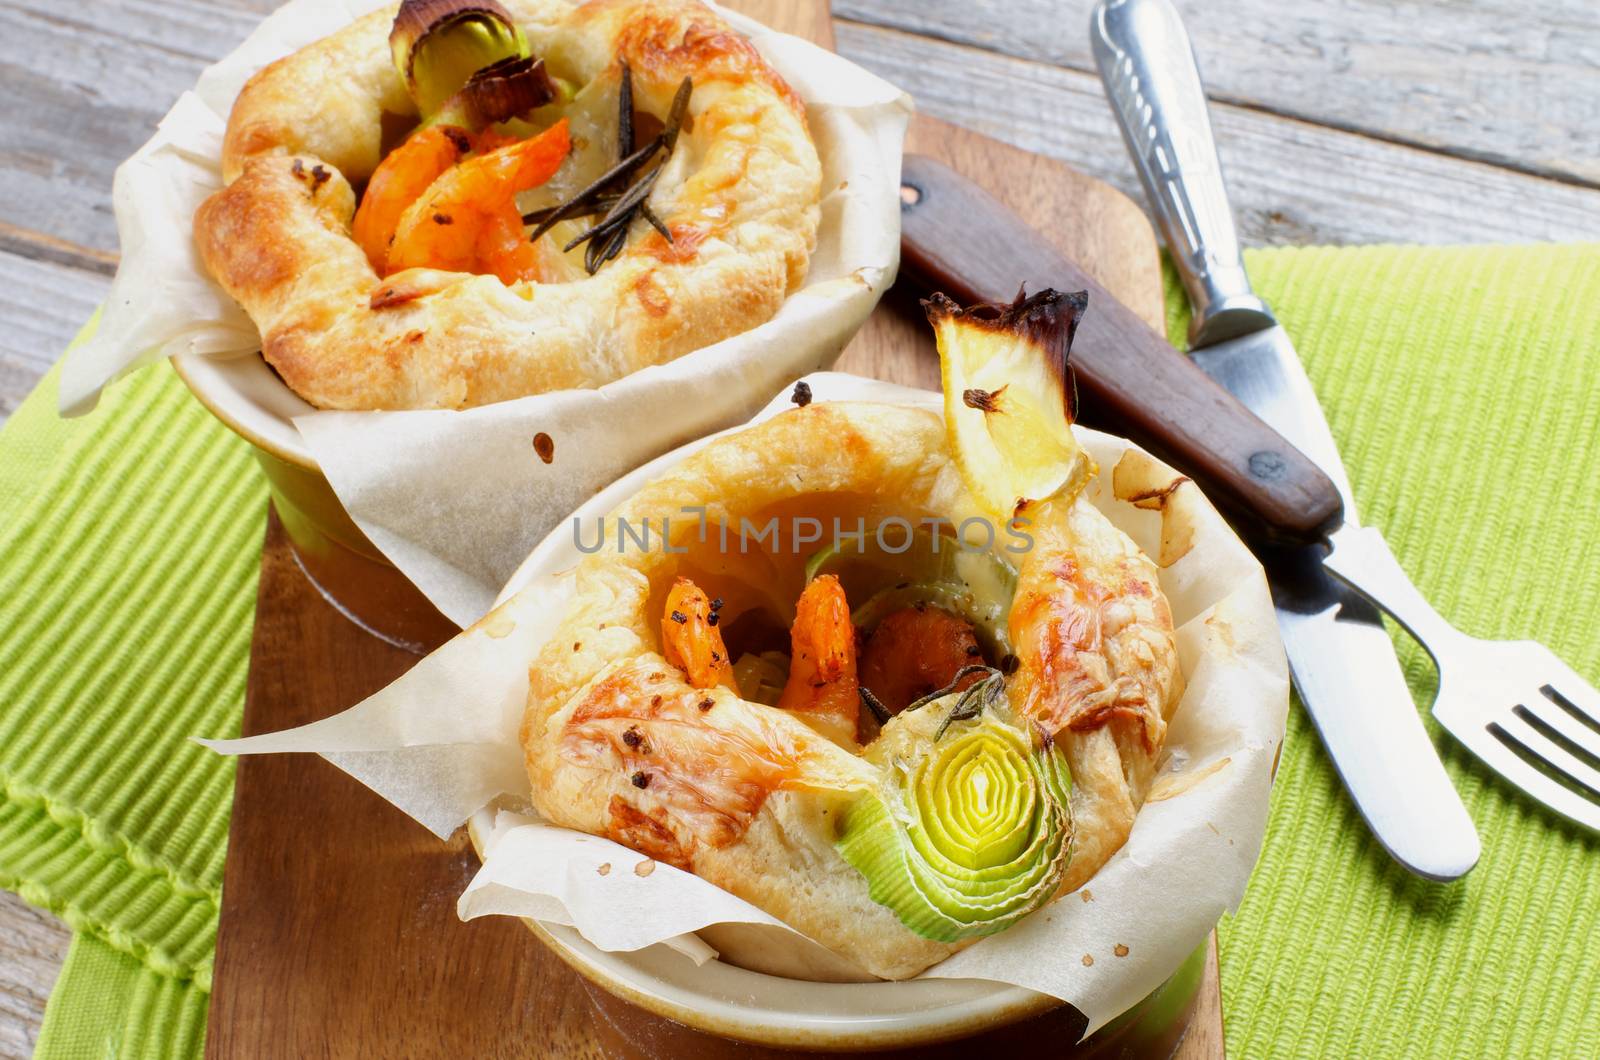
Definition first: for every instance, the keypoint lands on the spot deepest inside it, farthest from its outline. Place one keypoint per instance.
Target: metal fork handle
(1362, 558)
(1148, 66)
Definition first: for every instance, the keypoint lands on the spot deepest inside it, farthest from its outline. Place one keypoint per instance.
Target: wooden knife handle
(959, 239)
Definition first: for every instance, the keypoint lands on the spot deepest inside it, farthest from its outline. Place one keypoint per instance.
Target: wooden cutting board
(338, 933)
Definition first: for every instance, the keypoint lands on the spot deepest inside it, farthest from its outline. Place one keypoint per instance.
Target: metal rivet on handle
(1268, 465)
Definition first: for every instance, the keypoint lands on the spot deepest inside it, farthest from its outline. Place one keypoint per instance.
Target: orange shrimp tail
(467, 219)
(691, 640)
(822, 667)
(400, 179)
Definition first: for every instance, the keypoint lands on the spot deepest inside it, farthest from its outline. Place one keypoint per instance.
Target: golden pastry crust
(1089, 621)
(740, 194)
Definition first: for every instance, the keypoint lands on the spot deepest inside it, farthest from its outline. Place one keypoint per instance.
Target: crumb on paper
(644, 868)
(1120, 950)
(1088, 961)
(545, 446)
(802, 394)
(1212, 827)
(605, 868)
(1086, 894)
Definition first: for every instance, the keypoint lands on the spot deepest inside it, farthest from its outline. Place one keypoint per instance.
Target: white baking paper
(442, 741)
(457, 499)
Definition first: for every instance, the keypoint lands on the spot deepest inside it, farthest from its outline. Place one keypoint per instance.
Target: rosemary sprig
(974, 701)
(625, 114)
(583, 198)
(655, 222)
(620, 215)
(593, 209)
(618, 208)
(961, 675)
(676, 113)
(874, 704)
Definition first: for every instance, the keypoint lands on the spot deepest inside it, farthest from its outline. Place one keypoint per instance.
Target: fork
(1514, 704)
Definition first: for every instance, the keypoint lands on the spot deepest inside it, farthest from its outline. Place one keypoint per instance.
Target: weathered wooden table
(1339, 121)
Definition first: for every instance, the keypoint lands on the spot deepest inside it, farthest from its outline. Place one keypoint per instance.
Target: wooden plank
(95, 78)
(339, 931)
(1499, 80)
(1291, 182)
(1204, 1039)
(32, 946)
(43, 303)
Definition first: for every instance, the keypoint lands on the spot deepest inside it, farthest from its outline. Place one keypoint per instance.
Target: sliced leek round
(972, 832)
(1009, 397)
(977, 584)
(438, 45)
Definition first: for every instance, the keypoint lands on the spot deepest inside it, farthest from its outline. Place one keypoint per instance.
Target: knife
(957, 238)
(1341, 658)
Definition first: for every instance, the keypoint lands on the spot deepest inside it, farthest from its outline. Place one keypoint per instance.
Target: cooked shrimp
(1091, 630)
(691, 640)
(467, 220)
(822, 685)
(914, 651)
(700, 771)
(400, 179)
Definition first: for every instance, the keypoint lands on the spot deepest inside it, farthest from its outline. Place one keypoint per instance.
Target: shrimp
(698, 767)
(400, 179)
(915, 651)
(467, 220)
(822, 687)
(1091, 631)
(691, 640)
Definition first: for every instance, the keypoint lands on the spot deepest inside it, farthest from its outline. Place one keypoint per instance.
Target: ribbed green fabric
(128, 548)
(1463, 386)
(110, 1005)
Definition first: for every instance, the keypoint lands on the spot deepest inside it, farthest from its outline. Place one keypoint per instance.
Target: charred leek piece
(1009, 396)
(973, 830)
(438, 45)
(508, 89)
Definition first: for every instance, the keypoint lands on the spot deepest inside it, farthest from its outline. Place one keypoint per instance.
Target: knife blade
(1340, 656)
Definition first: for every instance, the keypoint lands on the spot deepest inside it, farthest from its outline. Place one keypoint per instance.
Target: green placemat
(1463, 385)
(129, 549)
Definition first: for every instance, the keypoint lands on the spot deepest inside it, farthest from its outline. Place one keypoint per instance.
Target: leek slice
(438, 45)
(761, 677)
(972, 829)
(977, 584)
(498, 93)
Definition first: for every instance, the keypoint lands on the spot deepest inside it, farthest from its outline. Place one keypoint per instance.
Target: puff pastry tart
(895, 681)
(455, 202)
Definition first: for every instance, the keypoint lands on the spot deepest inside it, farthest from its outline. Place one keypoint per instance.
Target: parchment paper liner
(457, 499)
(441, 744)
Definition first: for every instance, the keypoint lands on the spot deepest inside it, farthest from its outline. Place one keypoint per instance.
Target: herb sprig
(618, 196)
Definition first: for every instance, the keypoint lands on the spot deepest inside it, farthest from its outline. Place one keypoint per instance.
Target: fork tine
(1512, 768)
(1570, 728)
(1575, 691)
(1553, 754)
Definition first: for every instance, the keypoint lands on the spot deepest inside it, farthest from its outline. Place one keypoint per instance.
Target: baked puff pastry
(824, 688)
(416, 319)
